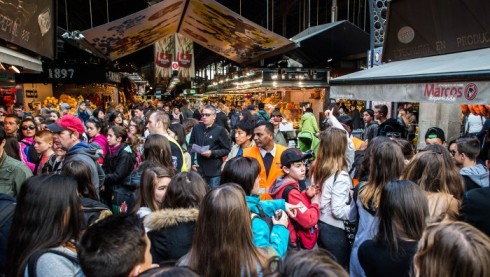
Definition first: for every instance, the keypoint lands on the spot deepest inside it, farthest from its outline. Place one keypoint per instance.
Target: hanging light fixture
(14, 68)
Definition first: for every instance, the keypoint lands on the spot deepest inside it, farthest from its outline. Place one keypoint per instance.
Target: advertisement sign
(139, 30)
(434, 92)
(65, 74)
(418, 28)
(29, 24)
(205, 22)
(228, 34)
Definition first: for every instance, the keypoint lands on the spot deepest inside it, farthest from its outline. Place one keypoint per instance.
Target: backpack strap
(286, 191)
(6, 213)
(32, 261)
(262, 215)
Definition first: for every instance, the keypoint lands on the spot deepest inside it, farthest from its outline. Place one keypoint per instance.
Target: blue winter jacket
(278, 238)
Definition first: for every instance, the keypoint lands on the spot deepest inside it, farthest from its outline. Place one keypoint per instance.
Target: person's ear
(285, 169)
(135, 271)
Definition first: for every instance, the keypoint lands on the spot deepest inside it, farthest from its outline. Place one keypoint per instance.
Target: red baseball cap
(67, 122)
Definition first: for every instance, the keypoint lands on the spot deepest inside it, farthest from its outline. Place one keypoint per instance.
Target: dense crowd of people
(214, 190)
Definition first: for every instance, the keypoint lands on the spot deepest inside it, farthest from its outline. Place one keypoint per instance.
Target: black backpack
(392, 127)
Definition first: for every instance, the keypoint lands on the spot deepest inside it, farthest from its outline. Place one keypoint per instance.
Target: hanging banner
(205, 22)
(139, 30)
(228, 34)
(164, 53)
(185, 58)
(29, 24)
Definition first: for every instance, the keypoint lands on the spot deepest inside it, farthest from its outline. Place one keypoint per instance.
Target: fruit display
(483, 110)
(50, 101)
(65, 98)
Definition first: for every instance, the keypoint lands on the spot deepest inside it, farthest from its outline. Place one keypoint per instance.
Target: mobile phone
(278, 215)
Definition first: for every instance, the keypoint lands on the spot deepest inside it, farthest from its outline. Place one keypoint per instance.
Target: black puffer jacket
(171, 233)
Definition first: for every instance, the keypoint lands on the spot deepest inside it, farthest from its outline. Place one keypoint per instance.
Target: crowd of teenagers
(214, 190)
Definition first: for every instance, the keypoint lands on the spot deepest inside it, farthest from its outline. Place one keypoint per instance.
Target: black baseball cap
(292, 155)
(435, 132)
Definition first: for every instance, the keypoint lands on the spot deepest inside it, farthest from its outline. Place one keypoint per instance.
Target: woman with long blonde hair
(330, 173)
(428, 170)
(223, 244)
(386, 164)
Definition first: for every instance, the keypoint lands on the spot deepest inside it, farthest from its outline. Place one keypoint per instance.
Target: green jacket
(12, 174)
(308, 123)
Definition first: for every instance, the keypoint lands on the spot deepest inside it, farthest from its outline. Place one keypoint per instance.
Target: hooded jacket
(263, 236)
(171, 233)
(88, 154)
(306, 228)
(474, 176)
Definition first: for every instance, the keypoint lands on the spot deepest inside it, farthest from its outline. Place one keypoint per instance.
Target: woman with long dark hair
(152, 189)
(401, 214)
(157, 150)
(118, 165)
(245, 172)
(172, 227)
(386, 164)
(46, 224)
(222, 244)
(93, 209)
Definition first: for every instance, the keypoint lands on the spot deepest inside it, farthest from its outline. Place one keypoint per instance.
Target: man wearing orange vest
(268, 154)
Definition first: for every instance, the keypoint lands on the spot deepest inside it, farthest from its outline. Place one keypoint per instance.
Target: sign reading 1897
(61, 73)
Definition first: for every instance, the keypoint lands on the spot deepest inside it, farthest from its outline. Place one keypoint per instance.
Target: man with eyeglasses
(465, 150)
(209, 134)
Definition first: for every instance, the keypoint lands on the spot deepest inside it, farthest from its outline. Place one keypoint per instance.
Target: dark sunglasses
(30, 127)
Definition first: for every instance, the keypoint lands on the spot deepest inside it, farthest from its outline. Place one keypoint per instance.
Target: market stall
(284, 88)
(439, 83)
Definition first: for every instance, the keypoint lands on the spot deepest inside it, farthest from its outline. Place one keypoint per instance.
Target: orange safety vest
(274, 172)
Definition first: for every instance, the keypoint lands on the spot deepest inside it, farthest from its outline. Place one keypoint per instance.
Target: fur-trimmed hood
(170, 217)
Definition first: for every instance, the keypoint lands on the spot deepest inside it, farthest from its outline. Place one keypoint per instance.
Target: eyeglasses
(453, 152)
(29, 127)
(207, 114)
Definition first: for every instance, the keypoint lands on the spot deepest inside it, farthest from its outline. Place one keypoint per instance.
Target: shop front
(286, 89)
(439, 83)
(70, 84)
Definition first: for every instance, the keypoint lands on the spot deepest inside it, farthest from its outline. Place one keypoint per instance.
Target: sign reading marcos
(477, 92)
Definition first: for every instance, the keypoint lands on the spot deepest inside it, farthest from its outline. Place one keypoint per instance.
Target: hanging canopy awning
(205, 22)
(12, 57)
(453, 78)
(318, 44)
